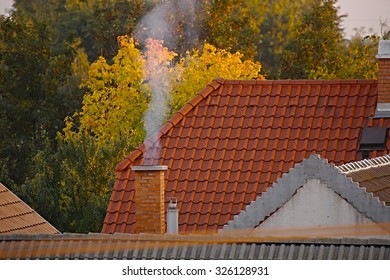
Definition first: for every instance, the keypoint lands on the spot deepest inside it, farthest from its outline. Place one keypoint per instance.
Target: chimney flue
(383, 105)
(172, 217)
(149, 199)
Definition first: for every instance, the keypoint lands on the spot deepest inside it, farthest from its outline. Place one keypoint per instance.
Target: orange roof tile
(18, 217)
(235, 138)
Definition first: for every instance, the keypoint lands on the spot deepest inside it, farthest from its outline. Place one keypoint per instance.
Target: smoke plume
(158, 31)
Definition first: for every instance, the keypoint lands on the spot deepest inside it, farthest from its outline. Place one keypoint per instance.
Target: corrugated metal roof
(122, 246)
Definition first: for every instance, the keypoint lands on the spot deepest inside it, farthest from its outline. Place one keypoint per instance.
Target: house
(232, 142)
(16, 217)
(71, 246)
(316, 198)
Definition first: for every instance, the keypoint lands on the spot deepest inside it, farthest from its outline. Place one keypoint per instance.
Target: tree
(101, 22)
(95, 23)
(234, 25)
(358, 61)
(318, 50)
(196, 70)
(281, 18)
(114, 103)
(31, 74)
(317, 43)
(72, 184)
(178, 23)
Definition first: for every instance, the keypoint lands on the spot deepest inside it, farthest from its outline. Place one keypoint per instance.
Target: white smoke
(158, 24)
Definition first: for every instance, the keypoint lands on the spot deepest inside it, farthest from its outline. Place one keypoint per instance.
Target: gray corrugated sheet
(118, 246)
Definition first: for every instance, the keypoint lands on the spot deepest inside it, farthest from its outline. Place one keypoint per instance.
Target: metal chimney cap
(383, 49)
(172, 203)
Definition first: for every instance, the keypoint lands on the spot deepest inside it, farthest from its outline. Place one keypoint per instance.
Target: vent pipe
(172, 217)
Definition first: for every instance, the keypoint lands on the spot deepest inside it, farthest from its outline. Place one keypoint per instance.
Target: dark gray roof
(311, 168)
(126, 246)
(371, 174)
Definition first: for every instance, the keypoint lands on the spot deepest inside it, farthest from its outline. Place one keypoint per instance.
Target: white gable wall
(317, 209)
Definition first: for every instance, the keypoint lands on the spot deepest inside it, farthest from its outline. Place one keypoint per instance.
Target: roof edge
(43, 220)
(175, 119)
(355, 166)
(242, 237)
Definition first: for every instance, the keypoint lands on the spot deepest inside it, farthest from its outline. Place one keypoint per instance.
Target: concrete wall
(317, 210)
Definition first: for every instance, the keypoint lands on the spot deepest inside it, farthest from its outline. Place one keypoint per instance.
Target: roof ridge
(302, 82)
(175, 119)
(285, 187)
(354, 166)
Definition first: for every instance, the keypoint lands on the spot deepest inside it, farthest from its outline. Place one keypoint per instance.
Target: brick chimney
(149, 199)
(383, 105)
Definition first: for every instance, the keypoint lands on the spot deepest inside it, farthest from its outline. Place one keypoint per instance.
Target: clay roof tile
(236, 138)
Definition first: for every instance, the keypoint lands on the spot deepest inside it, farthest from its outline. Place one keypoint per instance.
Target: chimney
(172, 217)
(383, 105)
(149, 199)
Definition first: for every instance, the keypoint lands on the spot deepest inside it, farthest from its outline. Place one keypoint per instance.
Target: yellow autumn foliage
(114, 102)
(198, 69)
(118, 94)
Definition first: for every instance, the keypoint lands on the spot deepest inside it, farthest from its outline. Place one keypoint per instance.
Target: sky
(360, 13)
(366, 13)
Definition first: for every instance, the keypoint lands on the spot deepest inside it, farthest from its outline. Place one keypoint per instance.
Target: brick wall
(149, 199)
(384, 75)
(384, 80)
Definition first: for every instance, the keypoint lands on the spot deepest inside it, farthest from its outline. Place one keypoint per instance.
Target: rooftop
(17, 217)
(150, 247)
(371, 174)
(236, 138)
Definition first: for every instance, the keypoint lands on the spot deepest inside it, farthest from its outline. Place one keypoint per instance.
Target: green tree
(281, 18)
(318, 50)
(72, 184)
(95, 23)
(317, 43)
(101, 22)
(358, 61)
(31, 74)
(234, 25)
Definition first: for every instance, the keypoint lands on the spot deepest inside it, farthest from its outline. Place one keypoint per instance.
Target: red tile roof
(235, 138)
(18, 217)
